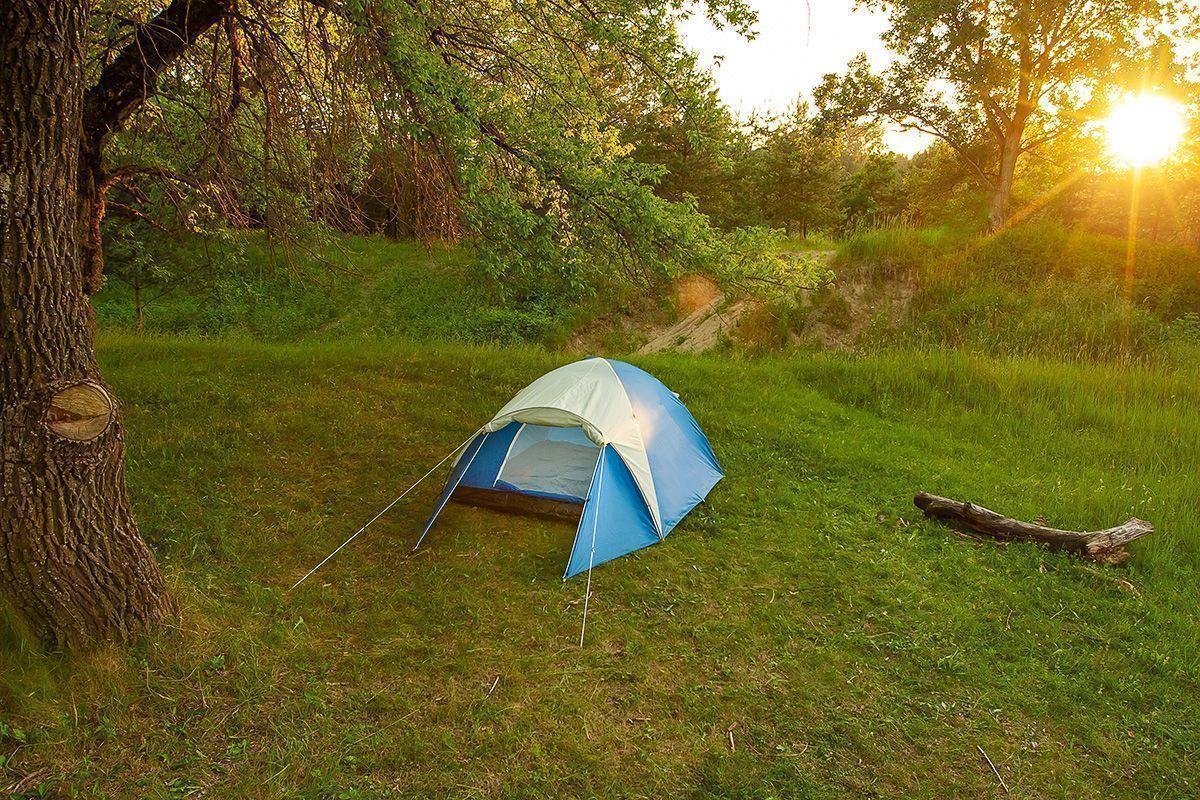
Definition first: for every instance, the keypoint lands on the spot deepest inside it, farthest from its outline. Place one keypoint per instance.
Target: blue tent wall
(465, 462)
(483, 470)
(681, 459)
(615, 512)
(477, 467)
(682, 465)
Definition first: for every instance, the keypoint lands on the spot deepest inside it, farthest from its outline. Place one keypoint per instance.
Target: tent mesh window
(552, 462)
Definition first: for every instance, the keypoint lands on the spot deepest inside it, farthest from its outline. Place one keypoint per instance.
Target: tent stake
(592, 557)
(386, 509)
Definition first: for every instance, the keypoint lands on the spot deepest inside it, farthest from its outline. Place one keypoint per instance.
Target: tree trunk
(71, 560)
(1010, 150)
(139, 317)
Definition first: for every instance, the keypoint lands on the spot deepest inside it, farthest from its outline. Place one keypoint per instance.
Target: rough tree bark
(71, 560)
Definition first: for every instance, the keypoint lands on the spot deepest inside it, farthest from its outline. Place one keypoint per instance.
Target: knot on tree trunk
(79, 412)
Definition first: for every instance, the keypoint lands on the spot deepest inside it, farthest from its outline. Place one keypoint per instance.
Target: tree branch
(132, 76)
(123, 85)
(911, 120)
(1106, 546)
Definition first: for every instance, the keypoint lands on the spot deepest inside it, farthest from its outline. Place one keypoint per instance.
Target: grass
(343, 286)
(893, 250)
(802, 634)
(1036, 289)
(817, 240)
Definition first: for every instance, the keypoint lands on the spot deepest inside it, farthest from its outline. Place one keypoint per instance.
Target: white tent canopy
(587, 394)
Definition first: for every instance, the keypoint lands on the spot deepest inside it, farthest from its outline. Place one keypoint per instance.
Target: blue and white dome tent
(598, 433)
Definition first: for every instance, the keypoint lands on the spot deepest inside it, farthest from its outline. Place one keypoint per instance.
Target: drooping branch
(123, 85)
(1106, 546)
(133, 75)
(490, 131)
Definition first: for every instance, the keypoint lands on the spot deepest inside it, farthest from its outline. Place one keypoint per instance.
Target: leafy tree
(516, 104)
(996, 79)
(700, 148)
(872, 191)
(133, 261)
(795, 174)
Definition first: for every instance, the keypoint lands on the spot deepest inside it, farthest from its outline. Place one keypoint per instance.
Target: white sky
(797, 43)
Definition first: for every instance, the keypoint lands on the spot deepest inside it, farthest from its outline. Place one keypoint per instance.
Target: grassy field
(802, 635)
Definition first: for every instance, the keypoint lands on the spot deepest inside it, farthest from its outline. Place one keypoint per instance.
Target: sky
(797, 43)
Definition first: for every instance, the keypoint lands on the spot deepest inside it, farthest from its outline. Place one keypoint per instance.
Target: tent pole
(592, 556)
(386, 508)
(461, 475)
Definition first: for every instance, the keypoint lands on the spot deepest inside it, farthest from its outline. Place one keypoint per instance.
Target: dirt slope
(838, 316)
(707, 316)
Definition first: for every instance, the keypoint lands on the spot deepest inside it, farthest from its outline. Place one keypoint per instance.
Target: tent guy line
(599, 436)
(386, 509)
(587, 594)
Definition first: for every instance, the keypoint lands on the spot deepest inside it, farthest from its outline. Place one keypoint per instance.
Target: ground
(802, 634)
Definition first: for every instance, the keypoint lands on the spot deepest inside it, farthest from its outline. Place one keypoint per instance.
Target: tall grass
(815, 240)
(893, 250)
(1035, 289)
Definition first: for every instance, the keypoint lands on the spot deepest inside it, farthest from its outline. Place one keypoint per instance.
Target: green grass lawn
(801, 635)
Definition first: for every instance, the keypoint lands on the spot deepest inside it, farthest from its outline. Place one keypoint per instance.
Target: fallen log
(1106, 546)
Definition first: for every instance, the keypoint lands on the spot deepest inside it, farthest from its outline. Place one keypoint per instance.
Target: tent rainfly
(597, 433)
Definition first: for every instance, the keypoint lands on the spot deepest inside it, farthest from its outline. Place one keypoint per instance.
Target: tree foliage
(998, 79)
(700, 149)
(795, 174)
(501, 122)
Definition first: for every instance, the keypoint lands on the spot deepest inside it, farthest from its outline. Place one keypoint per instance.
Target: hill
(1037, 289)
(803, 634)
(336, 286)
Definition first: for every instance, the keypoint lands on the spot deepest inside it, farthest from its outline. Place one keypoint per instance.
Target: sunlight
(1143, 130)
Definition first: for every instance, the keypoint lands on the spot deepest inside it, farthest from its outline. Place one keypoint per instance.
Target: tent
(599, 434)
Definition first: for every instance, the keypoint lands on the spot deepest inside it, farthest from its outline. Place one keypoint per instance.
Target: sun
(1144, 129)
